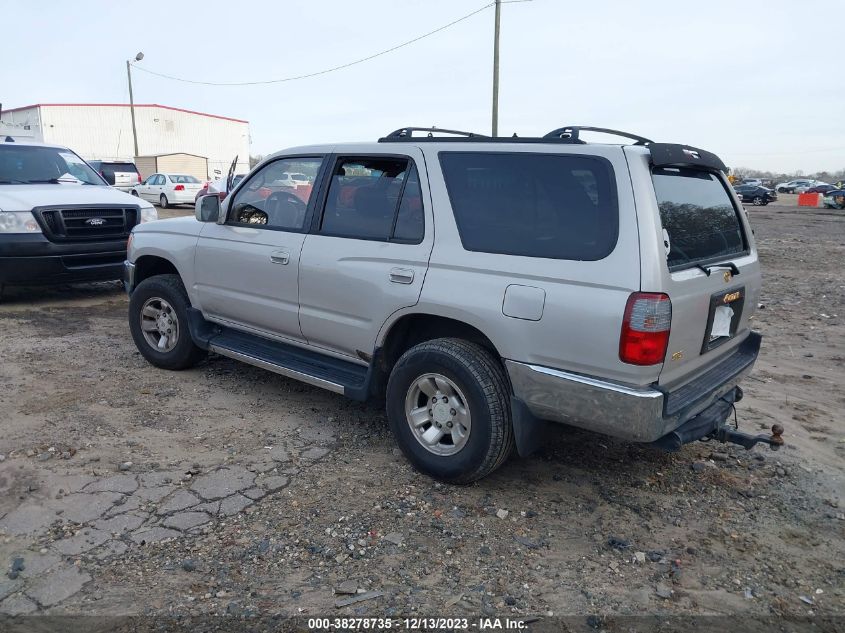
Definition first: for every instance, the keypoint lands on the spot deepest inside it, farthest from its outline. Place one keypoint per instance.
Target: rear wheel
(162, 201)
(158, 321)
(448, 404)
(134, 193)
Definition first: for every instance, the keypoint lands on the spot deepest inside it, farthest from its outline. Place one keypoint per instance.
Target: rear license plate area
(723, 318)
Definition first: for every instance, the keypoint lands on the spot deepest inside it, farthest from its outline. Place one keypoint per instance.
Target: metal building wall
(105, 132)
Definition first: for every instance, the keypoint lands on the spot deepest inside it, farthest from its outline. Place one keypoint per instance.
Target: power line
(334, 68)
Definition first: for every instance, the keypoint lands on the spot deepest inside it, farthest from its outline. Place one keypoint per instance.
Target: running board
(313, 368)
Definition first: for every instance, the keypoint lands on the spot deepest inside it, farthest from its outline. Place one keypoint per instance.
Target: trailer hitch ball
(777, 440)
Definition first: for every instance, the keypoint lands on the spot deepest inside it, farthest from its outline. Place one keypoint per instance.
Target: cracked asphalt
(231, 492)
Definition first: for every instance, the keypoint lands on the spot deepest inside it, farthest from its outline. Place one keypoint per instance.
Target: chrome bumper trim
(129, 276)
(597, 405)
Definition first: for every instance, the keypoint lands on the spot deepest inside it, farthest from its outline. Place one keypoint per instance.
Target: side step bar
(327, 372)
(277, 368)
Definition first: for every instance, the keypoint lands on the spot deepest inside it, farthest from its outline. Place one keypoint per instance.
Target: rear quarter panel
(584, 301)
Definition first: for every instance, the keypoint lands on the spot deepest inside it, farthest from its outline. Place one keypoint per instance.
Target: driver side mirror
(207, 208)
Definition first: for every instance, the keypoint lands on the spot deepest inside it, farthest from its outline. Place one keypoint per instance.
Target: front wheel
(758, 201)
(162, 201)
(158, 321)
(448, 404)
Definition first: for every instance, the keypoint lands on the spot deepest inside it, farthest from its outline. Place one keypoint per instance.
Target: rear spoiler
(674, 155)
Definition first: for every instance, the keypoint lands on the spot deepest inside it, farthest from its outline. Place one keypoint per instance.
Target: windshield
(698, 215)
(27, 164)
(179, 178)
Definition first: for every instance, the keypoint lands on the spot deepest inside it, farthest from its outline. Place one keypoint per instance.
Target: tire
(162, 201)
(153, 294)
(758, 201)
(134, 193)
(478, 381)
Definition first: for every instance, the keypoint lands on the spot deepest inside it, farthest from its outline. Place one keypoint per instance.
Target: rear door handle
(280, 257)
(401, 275)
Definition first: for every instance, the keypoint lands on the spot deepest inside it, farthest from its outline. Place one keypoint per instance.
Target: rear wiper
(711, 267)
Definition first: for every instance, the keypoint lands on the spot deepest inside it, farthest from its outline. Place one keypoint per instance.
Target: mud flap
(529, 432)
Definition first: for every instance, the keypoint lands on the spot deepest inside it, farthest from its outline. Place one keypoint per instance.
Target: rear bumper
(32, 259)
(181, 197)
(638, 414)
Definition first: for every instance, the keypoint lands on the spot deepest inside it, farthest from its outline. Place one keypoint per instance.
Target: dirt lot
(228, 490)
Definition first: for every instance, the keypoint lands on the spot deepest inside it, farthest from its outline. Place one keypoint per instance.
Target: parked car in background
(754, 182)
(218, 186)
(167, 189)
(834, 199)
(119, 174)
(60, 222)
(806, 188)
(759, 196)
(821, 189)
(792, 185)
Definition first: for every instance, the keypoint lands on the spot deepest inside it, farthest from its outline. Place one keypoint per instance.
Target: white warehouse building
(104, 131)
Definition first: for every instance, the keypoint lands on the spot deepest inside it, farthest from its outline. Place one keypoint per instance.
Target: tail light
(139, 179)
(179, 188)
(645, 329)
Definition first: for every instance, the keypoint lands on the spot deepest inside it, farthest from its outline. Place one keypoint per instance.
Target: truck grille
(77, 224)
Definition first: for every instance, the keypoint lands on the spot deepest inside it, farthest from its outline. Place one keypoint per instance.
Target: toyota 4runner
(481, 286)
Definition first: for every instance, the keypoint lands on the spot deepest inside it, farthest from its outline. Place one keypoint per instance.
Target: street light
(138, 58)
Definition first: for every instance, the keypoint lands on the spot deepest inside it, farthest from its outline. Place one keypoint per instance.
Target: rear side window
(374, 199)
(536, 205)
(698, 216)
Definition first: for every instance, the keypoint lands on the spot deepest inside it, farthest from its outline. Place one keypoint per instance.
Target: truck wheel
(158, 320)
(162, 201)
(448, 404)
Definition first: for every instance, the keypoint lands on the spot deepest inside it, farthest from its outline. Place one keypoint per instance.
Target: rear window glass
(127, 168)
(535, 205)
(182, 179)
(698, 216)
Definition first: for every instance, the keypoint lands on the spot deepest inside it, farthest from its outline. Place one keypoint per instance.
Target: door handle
(280, 257)
(401, 275)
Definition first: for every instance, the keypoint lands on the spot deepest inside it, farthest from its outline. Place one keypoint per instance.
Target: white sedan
(167, 189)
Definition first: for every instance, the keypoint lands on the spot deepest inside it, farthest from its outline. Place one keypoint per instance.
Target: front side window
(270, 199)
(374, 199)
(533, 204)
(27, 164)
(698, 215)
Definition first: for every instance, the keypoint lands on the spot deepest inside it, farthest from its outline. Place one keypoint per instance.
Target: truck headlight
(18, 222)
(148, 214)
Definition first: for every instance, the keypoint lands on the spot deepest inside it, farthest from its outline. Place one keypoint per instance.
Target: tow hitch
(711, 424)
(735, 436)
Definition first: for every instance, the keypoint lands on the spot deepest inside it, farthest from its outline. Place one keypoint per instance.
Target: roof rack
(572, 134)
(569, 135)
(406, 133)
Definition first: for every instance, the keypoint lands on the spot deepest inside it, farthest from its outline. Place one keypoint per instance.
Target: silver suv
(482, 286)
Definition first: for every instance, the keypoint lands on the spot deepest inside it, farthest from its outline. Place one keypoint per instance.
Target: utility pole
(496, 69)
(138, 58)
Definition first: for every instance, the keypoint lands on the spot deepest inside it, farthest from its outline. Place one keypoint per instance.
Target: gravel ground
(226, 490)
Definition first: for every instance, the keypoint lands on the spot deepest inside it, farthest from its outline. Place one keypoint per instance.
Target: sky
(756, 81)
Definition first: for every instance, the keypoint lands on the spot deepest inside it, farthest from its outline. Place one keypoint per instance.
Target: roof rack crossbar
(572, 132)
(405, 133)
